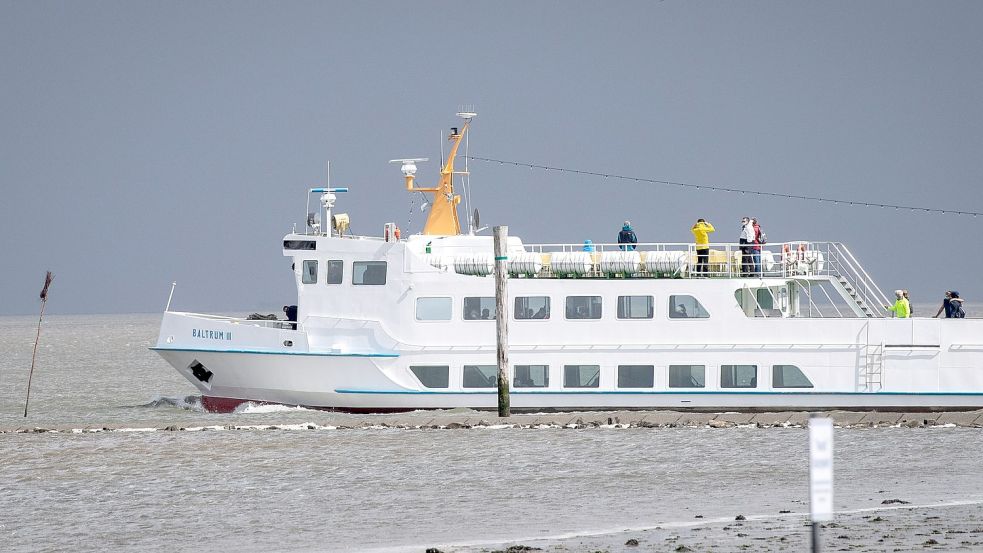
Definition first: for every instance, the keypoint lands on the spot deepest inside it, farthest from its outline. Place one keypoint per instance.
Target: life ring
(802, 252)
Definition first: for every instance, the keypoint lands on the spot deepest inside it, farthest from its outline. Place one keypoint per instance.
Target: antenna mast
(467, 113)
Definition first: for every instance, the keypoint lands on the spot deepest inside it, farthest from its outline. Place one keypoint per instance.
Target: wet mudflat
(129, 462)
(943, 527)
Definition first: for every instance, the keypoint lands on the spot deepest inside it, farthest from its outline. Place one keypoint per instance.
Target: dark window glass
(687, 376)
(309, 275)
(738, 376)
(532, 307)
(636, 376)
(299, 244)
(789, 376)
(369, 273)
(686, 307)
(581, 376)
(531, 376)
(432, 376)
(336, 270)
(477, 309)
(480, 376)
(635, 307)
(583, 307)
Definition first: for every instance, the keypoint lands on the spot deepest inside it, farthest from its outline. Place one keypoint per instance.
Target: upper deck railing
(716, 260)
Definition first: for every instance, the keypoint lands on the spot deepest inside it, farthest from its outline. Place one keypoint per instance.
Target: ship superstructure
(386, 323)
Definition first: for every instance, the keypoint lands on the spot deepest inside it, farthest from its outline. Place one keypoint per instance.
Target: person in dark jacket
(626, 238)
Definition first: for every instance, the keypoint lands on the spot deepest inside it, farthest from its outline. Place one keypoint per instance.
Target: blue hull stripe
(261, 352)
(642, 392)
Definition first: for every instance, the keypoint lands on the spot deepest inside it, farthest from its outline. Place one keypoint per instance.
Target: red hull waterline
(214, 404)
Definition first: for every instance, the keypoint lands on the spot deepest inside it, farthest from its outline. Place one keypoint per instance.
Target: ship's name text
(211, 334)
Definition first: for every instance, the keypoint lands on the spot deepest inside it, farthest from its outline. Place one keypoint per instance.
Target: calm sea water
(385, 489)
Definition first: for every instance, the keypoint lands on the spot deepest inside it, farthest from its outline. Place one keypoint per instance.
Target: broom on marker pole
(44, 299)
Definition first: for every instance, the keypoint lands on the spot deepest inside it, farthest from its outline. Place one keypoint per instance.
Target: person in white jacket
(746, 240)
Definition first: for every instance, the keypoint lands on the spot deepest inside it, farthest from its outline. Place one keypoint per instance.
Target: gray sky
(145, 142)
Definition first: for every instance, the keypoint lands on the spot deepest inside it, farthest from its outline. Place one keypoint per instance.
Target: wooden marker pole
(502, 318)
(44, 300)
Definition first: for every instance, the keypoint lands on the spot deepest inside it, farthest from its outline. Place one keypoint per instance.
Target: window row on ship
(440, 308)
(634, 377)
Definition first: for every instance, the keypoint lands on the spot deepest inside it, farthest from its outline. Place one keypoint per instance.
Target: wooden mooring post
(502, 318)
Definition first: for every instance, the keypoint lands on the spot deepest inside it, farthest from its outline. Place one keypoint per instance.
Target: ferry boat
(387, 323)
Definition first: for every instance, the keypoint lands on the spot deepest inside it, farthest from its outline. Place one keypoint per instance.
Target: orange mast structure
(442, 220)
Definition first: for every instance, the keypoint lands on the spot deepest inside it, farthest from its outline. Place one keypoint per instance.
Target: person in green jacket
(901, 307)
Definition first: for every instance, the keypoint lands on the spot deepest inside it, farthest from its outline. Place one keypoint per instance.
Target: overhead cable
(714, 188)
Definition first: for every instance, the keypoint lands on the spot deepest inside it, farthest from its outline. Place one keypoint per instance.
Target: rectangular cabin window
(369, 273)
(480, 376)
(479, 309)
(432, 376)
(532, 307)
(789, 376)
(738, 376)
(433, 309)
(636, 376)
(581, 376)
(686, 307)
(636, 307)
(336, 271)
(299, 245)
(687, 376)
(531, 376)
(309, 275)
(583, 307)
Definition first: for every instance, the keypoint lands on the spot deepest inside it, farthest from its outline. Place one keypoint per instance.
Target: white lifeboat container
(525, 263)
(623, 262)
(439, 261)
(666, 261)
(571, 263)
(479, 264)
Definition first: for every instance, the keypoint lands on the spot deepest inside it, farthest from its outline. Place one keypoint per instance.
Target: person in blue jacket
(626, 238)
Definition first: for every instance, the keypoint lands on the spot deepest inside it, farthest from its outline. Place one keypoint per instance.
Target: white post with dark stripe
(502, 318)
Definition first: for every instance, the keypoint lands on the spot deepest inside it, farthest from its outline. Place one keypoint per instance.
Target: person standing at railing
(952, 305)
(746, 239)
(901, 308)
(701, 232)
(627, 238)
(911, 310)
(759, 238)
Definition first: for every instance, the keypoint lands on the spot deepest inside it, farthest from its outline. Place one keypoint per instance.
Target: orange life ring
(802, 251)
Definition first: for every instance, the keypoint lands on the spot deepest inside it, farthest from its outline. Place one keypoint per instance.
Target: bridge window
(581, 376)
(636, 376)
(433, 309)
(686, 307)
(336, 270)
(762, 302)
(432, 376)
(476, 309)
(583, 307)
(788, 376)
(635, 307)
(309, 275)
(738, 376)
(531, 376)
(369, 273)
(532, 307)
(687, 376)
(480, 376)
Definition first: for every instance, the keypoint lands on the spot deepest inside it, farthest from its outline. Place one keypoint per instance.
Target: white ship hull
(387, 324)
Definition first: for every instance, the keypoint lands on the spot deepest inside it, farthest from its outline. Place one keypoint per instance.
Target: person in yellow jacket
(901, 307)
(701, 231)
